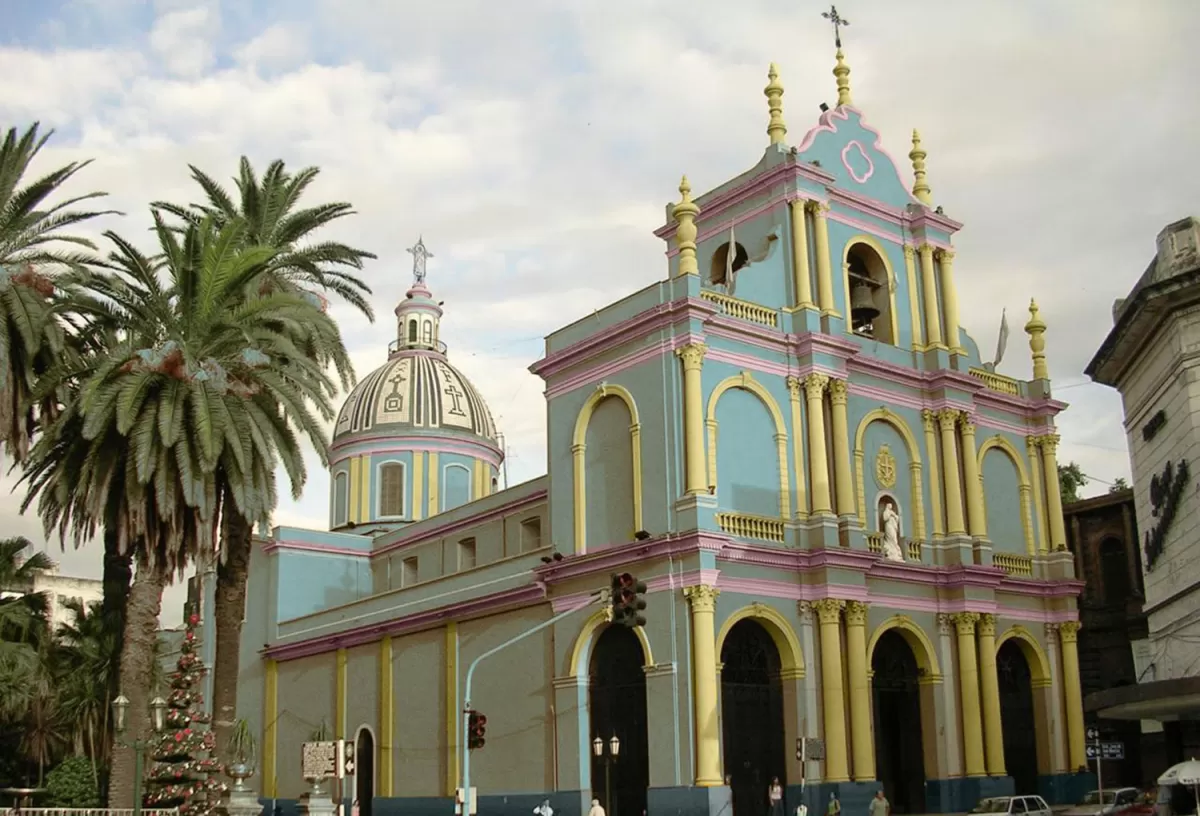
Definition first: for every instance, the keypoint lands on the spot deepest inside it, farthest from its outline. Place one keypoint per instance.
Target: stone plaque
(318, 760)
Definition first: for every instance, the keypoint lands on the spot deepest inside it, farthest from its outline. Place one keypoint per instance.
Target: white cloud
(534, 147)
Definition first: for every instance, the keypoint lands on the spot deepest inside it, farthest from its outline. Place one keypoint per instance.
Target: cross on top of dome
(420, 256)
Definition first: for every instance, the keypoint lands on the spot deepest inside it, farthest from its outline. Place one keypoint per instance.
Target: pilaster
(795, 385)
(703, 600)
(968, 677)
(989, 684)
(950, 300)
(1058, 531)
(833, 695)
(812, 711)
(910, 271)
(933, 323)
(928, 419)
(571, 737)
(950, 718)
(860, 691)
(1058, 730)
(843, 475)
(1033, 446)
(976, 517)
(1068, 635)
(818, 461)
(692, 356)
(801, 274)
(819, 211)
(947, 419)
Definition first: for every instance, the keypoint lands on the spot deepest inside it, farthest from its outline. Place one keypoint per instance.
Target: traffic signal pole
(601, 596)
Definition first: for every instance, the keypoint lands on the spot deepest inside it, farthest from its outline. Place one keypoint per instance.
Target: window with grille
(391, 490)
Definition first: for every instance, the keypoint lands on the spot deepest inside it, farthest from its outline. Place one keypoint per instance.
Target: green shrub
(72, 785)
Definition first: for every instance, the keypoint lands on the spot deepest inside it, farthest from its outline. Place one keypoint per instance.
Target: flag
(730, 256)
(1002, 343)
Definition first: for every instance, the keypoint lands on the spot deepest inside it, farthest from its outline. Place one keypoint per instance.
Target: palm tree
(87, 669)
(30, 337)
(269, 208)
(177, 412)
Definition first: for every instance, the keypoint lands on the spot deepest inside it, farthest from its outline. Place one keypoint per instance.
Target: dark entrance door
(364, 771)
(899, 753)
(617, 704)
(751, 716)
(1016, 717)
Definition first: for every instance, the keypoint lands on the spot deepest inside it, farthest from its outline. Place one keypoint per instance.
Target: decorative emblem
(885, 468)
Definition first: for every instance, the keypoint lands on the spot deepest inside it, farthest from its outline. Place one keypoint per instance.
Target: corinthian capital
(967, 424)
(909, 253)
(692, 355)
(947, 418)
(856, 613)
(964, 622)
(837, 392)
(1068, 631)
(1050, 441)
(794, 386)
(702, 597)
(818, 208)
(814, 385)
(987, 625)
(927, 418)
(829, 609)
(1033, 443)
(946, 256)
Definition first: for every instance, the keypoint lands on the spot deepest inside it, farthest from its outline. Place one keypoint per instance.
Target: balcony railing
(997, 382)
(744, 525)
(1020, 565)
(742, 309)
(425, 345)
(913, 548)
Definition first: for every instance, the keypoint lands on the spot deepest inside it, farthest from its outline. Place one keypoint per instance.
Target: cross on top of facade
(838, 21)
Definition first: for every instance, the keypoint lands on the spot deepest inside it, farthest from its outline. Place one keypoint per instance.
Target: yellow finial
(1036, 328)
(920, 185)
(685, 213)
(776, 128)
(842, 72)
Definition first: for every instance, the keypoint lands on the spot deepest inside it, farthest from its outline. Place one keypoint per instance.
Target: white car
(1112, 801)
(1013, 806)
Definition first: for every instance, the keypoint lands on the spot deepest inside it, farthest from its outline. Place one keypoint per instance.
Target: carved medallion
(885, 468)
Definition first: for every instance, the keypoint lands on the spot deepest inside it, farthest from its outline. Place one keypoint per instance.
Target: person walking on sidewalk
(879, 806)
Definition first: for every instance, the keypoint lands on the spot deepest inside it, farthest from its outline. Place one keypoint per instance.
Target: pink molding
(659, 583)
(271, 545)
(608, 368)
(368, 633)
(828, 123)
(420, 534)
(853, 144)
(382, 444)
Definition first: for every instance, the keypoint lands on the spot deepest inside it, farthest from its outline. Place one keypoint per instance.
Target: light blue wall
(884, 184)
(747, 456)
(310, 582)
(878, 434)
(1002, 501)
(766, 282)
(608, 468)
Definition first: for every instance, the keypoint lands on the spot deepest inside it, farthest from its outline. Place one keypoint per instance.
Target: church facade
(849, 525)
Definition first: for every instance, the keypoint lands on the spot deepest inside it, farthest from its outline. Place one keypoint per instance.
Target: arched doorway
(752, 723)
(1017, 718)
(364, 771)
(899, 754)
(617, 704)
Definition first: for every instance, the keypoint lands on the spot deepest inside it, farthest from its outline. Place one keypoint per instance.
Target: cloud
(534, 147)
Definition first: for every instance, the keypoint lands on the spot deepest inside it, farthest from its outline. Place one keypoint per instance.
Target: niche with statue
(891, 527)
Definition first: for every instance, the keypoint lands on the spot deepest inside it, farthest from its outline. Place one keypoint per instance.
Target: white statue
(891, 533)
(420, 256)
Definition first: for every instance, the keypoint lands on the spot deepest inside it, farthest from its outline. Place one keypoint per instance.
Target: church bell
(862, 304)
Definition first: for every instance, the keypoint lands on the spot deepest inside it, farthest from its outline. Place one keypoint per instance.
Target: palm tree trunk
(118, 570)
(228, 613)
(137, 655)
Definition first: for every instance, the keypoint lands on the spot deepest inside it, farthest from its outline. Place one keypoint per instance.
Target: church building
(849, 525)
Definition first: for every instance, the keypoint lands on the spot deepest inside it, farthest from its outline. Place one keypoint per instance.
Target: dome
(415, 392)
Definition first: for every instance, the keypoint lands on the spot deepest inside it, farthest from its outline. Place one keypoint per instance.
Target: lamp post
(614, 751)
(158, 717)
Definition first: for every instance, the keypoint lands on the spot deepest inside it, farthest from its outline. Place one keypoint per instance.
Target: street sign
(814, 748)
(319, 760)
(1093, 734)
(345, 758)
(1105, 750)
(458, 801)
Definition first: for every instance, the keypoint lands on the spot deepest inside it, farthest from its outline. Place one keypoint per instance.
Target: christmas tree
(185, 775)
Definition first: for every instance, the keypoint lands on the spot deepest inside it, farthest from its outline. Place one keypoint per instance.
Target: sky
(534, 143)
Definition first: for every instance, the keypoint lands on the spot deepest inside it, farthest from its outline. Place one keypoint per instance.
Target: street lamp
(614, 750)
(158, 717)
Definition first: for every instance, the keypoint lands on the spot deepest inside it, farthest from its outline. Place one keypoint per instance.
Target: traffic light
(476, 730)
(627, 600)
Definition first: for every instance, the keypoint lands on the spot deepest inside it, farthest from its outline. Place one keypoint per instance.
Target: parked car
(1013, 805)
(1146, 804)
(1105, 803)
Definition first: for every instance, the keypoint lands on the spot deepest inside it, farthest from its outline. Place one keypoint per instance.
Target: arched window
(870, 294)
(412, 331)
(427, 331)
(341, 498)
(719, 273)
(1114, 572)
(391, 490)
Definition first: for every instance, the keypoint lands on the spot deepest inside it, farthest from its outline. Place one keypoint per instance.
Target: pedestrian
(775, 797)
(596, 810)
(544, 809)
(879, 806)
(835, 807)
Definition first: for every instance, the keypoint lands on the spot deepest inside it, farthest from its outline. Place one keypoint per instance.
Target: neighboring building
(850, 526)
(1102, 533)
(1152, 356)
(58, 589)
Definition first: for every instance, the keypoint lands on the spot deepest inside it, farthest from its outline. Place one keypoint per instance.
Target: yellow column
(452, 708)
(818, 461)
(1058, 530)
(794, 385)
(843, 475)
(976, 517)
(968, 678)
(821, 245)
(270, 727)
(387, 716)
(692, 356)
(933, 321)
(365, 472)
(1068, 634)
(829, 612)
(950, 299)
(704, 672)
(860, 691)
(685, 213)
(418, 486)
(1033, 446)
(435, 480)
(914, 313)
(339, 712)
(989, 685)
(800, 270)
(935, 483)
(947, 419)
(355, 490)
